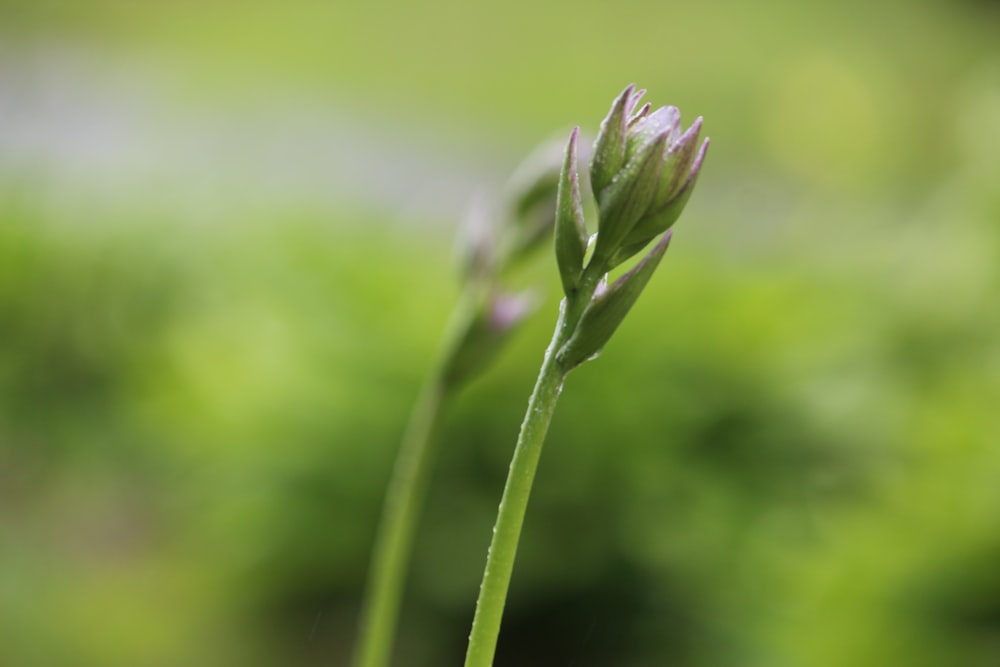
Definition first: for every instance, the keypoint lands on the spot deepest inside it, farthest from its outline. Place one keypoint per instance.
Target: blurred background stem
(404, 503)
(394, 542)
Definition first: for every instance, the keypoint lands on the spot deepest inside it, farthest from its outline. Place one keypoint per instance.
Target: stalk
(521, 476)
(485, 317)
(405, 499)
(394, 542)
(642, 170)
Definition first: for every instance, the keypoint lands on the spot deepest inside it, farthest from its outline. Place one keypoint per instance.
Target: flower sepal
(608, 309)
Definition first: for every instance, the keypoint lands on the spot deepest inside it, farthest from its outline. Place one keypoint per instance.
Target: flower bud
(495, 319)
(530, 201)
(571, 232)
(497, 233)
(643, 171)
(678, 176)
(609, 147)
(628, 196)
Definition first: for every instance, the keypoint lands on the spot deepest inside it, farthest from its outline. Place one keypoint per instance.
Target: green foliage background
(788, 456)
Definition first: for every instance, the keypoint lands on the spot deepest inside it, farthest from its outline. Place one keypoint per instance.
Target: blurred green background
(225, 262)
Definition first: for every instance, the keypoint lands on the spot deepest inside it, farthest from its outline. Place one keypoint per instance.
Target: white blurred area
(86, 129)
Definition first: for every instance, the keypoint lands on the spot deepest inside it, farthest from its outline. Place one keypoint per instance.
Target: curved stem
(404, 500)
(394, 541)
(510, 516)
(517, 490)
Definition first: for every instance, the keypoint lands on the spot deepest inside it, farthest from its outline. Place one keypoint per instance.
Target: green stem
(517, 491)
(393, 544)
(510, 516)
(406, 495)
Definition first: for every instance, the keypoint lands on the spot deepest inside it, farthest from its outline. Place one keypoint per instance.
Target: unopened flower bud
(494, 320)
(678, 176)
(496, 234)
(530, 201)
(571, 232)
(609, 147)
(643, 171)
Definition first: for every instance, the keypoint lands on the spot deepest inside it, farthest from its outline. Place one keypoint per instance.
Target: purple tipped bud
(640, 114)
(628, 196)
(664, 120)
(659, 165)
(609, 147)
(677, 165)
(662, 216)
